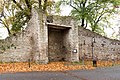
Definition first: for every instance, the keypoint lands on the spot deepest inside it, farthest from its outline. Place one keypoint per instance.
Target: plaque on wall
(74, 50)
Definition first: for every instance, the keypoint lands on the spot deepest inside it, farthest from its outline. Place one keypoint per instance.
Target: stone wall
(41, 43)
(61, 20)
(30, 44)
(55, 47)
(70, 36)
(103, 49)
(15, 48)
(61, 45)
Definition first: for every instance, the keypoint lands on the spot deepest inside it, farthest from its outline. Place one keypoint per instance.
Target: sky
(115, 24)
(3, 32)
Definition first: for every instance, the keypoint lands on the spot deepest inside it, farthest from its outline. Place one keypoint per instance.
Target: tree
(15, 14)
(22, 15)
(92, 12)
(4, 15)
(12, 16)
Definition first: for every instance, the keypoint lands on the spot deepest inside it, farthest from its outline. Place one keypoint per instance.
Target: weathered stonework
(15, 48)
(104, 48)
(56, 39)
(55, 45)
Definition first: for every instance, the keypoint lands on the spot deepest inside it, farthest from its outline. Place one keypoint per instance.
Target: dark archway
(57, 50)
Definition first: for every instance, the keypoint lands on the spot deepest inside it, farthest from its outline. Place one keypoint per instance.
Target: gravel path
(111, 73)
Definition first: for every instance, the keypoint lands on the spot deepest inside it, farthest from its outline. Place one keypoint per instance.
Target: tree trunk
(82, 22)
(83, 14)
(40, 6)
(8, 30)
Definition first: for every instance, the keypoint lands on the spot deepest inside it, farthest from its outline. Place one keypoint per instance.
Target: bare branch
(98, 19)
(74, 7)
(6, 26)
(40, 5)
(17, 4)
(76, 4)
(28, 4)
(45, 5)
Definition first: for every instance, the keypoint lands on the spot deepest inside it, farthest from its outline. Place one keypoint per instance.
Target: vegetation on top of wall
(6, 46)
(3, 48)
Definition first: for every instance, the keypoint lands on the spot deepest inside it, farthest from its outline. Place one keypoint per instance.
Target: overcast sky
(3, 32)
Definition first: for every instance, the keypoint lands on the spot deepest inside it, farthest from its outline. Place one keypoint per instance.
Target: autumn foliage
(52, 66)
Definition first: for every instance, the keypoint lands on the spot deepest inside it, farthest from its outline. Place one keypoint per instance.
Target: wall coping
(58, 26)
